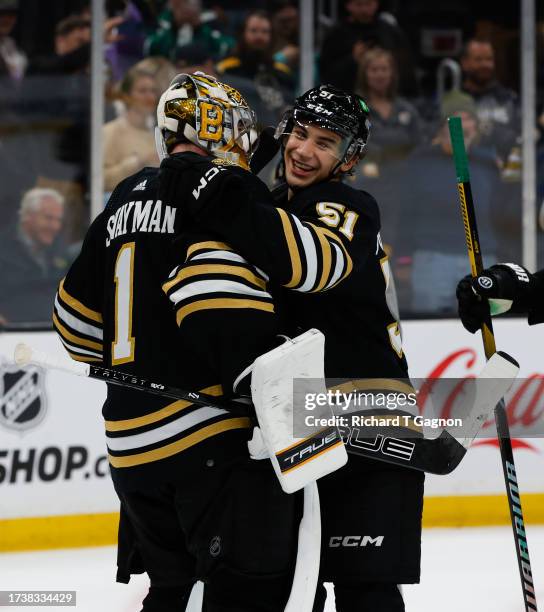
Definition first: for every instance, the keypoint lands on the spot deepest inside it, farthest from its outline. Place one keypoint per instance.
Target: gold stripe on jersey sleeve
(338, 241)
(209, 244)
(158, 415)
(215, 303)
(77, 305)
(326, 257)
(180, 445)
(294, 254)
(97, 346)
(195, 270)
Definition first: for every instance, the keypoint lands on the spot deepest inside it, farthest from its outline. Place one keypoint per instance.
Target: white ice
(463, 570)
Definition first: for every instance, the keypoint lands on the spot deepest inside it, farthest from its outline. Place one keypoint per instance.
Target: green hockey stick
(501, 421)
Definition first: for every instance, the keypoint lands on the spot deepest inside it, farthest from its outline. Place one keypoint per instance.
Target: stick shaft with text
(505, 443)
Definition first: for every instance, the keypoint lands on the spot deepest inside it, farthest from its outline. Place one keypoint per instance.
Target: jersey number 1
(122, 348)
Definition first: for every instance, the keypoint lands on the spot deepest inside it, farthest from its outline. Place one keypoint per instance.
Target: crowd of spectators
(375, 48)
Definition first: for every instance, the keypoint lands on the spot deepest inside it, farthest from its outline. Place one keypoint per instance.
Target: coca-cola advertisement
(442, 357)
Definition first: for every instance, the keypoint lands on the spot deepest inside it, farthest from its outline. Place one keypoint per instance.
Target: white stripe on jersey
(310, 256)
(164, 432)
(74, 348)
(231, 257)
(219, 255)
(262, 273)
(339, 268)
(76, 323)
(200, 288)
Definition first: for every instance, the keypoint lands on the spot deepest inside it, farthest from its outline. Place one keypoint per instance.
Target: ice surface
(468, 570)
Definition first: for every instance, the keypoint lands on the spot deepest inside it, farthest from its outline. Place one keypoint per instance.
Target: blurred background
(78, 94)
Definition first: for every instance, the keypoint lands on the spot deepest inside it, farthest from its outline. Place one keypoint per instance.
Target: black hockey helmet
(333, 109)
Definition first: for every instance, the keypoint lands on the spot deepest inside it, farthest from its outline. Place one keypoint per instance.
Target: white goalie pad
(297, 461)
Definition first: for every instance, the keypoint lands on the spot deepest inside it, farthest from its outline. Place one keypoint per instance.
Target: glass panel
(444, 60)
(44, 154)
(412, 70)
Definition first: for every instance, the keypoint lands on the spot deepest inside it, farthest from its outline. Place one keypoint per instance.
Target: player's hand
(190, 181)
(497, 290)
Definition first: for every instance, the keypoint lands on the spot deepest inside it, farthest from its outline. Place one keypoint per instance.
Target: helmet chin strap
(334, 172)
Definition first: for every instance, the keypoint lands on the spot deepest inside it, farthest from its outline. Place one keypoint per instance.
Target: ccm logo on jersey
(392, 447)
(208, 176)
(355, 540)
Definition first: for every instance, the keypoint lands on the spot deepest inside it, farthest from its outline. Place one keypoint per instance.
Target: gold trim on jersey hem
(209, 244)
(77, 305)
(180, 445)
(158, 415)
(73, 338)
(197, 269)
(216, 303)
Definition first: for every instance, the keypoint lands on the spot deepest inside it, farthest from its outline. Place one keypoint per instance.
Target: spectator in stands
(365, 27)
(73, 46)
(195, 58)
(13, 61)
(396, 130)
(139, 20)
(129, 142)
(431, 230)
(397, 123)
(33, 258)
(266, 84)
(285, 20)
(160, 68)
(497, 107)
(181, 24)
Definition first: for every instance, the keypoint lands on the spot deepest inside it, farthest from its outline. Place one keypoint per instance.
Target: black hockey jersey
(324, 247)
(153, 297)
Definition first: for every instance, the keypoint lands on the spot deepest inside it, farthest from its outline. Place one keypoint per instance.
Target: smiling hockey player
(321, 243)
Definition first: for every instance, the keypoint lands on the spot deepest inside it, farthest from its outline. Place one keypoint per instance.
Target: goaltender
(153, 295)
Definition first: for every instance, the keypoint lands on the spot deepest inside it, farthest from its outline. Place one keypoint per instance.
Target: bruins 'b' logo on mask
(210, 122)
(22, 396)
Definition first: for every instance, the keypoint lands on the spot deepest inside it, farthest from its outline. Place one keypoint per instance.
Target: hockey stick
(443, 454)
(437, 456)
(507, 457)
(25, 354)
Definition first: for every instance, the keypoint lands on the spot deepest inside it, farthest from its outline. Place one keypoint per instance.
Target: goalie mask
(198, 109)
(331, 108)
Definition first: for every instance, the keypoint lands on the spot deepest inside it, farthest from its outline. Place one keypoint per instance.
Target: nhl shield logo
(22, 396)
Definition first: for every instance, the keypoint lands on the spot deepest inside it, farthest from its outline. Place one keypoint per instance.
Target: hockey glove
(499, 289)
(191, 181)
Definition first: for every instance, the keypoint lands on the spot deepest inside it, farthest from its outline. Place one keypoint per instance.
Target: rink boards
(55, 489)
